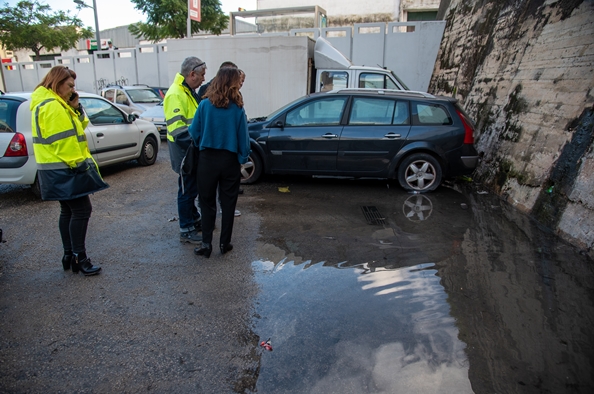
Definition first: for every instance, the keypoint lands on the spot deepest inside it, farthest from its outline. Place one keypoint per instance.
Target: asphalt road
(157, 318)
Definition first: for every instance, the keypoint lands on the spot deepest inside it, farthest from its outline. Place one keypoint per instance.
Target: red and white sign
(194, 10)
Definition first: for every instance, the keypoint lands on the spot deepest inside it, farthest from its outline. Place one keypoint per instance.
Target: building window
(413, 16)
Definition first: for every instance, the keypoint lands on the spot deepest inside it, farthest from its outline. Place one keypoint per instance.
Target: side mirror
(132, 118)
(279, 124)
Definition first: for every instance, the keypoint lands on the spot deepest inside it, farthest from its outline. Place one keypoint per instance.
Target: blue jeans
(186, 207)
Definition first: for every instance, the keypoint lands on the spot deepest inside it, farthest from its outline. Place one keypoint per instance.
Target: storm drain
(372, 215)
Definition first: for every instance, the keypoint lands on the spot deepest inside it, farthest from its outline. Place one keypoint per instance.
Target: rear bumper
(462, 161)
(13, 162)
(470, 161)
(18, 170)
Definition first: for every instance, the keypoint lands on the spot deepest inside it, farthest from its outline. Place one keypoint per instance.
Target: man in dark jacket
(179, 105)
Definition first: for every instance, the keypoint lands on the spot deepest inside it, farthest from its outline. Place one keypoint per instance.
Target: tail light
(468, 130)
(17, 146)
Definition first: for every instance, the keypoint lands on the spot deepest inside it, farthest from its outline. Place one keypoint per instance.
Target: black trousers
(218, 169)
(73, 223)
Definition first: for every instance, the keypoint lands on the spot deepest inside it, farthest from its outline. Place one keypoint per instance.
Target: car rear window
(430, 114)
(8, 111)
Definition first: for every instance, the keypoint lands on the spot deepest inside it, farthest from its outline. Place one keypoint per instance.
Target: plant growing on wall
(168, 19)
(30, 25)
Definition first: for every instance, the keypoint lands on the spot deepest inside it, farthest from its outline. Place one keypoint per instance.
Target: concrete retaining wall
(524, 71)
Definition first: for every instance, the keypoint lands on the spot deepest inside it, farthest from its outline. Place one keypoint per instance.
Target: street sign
(194, 10)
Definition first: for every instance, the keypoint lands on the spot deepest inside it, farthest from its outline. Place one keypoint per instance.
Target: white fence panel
(28, 76)
(104, 69)
(341, 38)
(312, 33)
(12, 77)
(165, 79)
(125, 66)
(408, 48)
(413, 43)
(43, 67)
(147, 65)
(85, 73)
(368, 44)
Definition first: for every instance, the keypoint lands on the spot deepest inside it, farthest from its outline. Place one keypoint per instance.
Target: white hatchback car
(113, 137)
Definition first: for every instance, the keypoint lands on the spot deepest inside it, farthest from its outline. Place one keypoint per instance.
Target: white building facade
(341, 11)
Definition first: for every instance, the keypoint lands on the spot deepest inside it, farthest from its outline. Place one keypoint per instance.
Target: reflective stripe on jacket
(179, 106)
(60, 147)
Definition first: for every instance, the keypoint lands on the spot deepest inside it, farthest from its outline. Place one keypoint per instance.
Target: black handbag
(189, 164)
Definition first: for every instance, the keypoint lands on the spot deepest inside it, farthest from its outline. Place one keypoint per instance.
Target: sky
(114, 13)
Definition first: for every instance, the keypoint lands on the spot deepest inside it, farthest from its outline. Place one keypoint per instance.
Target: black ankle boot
(67, 260)
(226, 248)
(205, 250)
(82, 263)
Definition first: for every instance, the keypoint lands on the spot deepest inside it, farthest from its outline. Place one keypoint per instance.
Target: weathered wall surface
(524, 70)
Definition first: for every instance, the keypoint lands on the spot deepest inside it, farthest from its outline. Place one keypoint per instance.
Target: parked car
(156, 115)
(113, 137)
(138, 97)
(160, 91)
(414, 137)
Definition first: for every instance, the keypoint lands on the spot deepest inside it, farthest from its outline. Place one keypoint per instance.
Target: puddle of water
(453, 293)
(357, 329)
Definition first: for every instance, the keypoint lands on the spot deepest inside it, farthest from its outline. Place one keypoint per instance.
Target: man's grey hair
(191, 64)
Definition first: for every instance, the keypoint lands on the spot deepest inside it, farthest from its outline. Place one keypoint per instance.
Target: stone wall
(524, 70)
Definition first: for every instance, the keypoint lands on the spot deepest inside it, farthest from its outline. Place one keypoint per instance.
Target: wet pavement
(444, 292)
(360, 287)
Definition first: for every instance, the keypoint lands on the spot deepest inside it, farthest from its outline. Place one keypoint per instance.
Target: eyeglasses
(200, 65)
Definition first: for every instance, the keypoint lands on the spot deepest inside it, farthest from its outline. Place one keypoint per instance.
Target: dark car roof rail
(113, 85)
(140, 84)
(384, 91)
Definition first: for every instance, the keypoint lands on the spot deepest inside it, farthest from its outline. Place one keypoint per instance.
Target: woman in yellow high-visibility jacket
(65, 168)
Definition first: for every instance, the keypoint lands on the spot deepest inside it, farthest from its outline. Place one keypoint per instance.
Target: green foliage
(168, 19)
(30, 25)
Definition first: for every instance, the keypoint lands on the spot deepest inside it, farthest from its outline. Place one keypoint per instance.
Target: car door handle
(100, 135)
(328, 135)
(392, 135)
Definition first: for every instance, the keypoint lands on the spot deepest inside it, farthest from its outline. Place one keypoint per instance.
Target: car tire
(148, 154)
(419, 172)
(36, 187)
(251, 171)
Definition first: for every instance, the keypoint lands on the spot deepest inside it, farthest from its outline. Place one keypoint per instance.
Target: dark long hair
(224, 88)
(56, 76)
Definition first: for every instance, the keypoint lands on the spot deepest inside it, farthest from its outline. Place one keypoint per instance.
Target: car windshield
(399, 80)
(144, 96)
(272, 115)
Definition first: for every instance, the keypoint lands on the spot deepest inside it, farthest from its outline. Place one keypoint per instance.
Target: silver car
(138, 97)
(156, 115)
(113, 137)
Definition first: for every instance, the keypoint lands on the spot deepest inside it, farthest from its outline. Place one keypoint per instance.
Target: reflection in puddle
(357, 330)
(417, 208)
(365, 305)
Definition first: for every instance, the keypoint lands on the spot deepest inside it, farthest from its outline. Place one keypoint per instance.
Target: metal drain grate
(372, 215)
